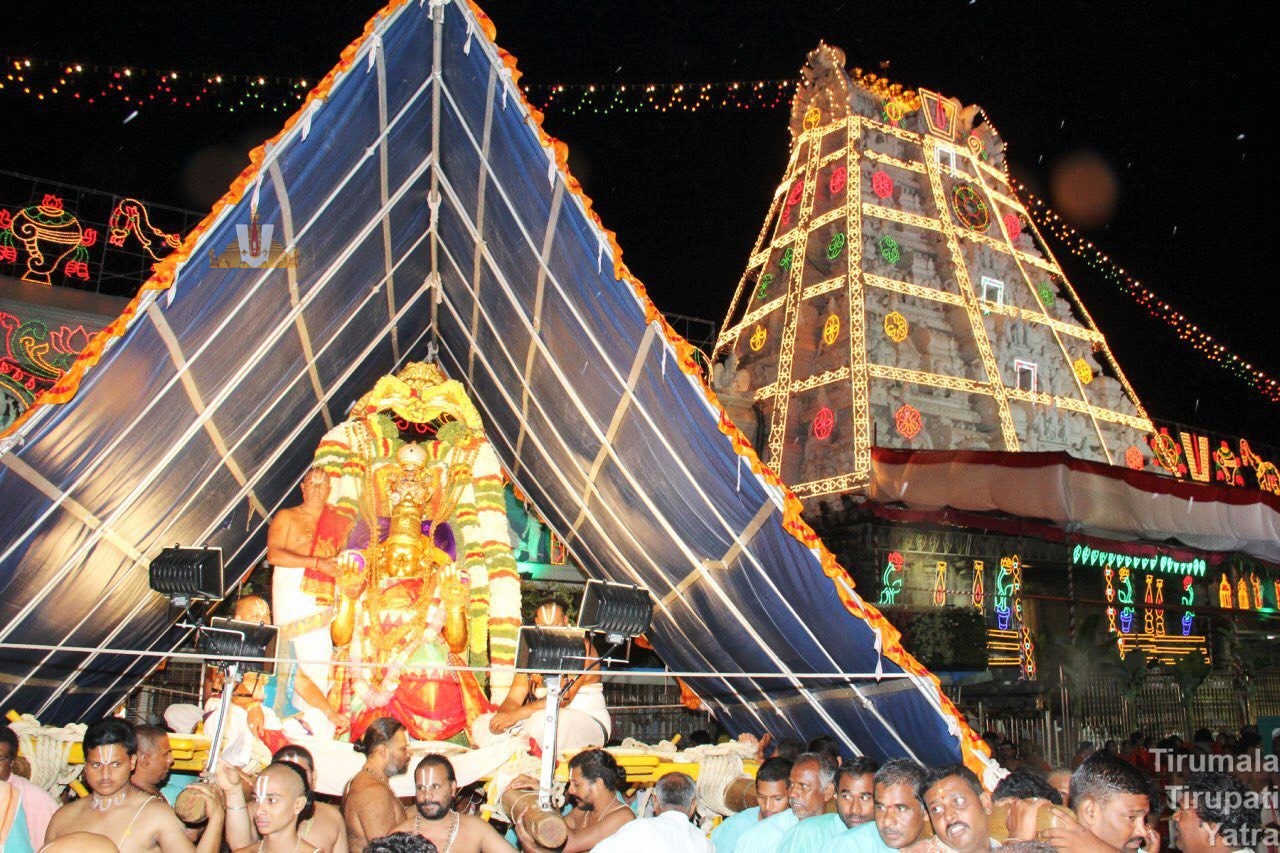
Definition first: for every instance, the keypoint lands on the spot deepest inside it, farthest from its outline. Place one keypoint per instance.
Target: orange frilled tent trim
(973, 749)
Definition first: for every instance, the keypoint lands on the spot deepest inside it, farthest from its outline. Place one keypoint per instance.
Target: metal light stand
(551, 720)
(232, 673)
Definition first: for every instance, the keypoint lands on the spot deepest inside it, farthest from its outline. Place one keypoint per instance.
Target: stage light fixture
(230, 638)
(617, 610)
(547, 649)
(186, 574)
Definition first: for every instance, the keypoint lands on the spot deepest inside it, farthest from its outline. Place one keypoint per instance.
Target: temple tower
(899, 295)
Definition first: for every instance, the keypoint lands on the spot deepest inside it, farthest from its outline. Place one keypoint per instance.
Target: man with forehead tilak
(132, 819)
(434, 818)
(281, 801)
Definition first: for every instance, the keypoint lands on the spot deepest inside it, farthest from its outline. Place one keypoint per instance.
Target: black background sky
(1172, 96)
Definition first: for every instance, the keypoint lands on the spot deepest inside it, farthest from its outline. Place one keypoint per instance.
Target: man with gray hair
(670, 828)
(813, 786)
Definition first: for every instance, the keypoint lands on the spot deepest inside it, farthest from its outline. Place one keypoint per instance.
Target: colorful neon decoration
(758, 337)
(1242, 595)
(130, 217)
(940, 584)
(1227, 466)
(1159, 608)
(889, 250)
(881, 184)
(812, 117)
(969, 208)
(762, 289)
(1108, 574)
(784, 263)
(34, 357)
(1012, 223)
(1046, 295)
(1148, 612)
(1224, 594)
(978, 595)
(1266, 473)
(839, 177)
(797, 192)
(1197, 456)
(895, 327)
(891, 579)
(48, 234)
(907, 421)
(835, 247)
(831, 330)
(823, 423)
(1256, 583)
(1134, 459)
(939, 113)
(1166, 452)
(893, 112)
(1004, 590)
(1083, 371)
(1084, 555)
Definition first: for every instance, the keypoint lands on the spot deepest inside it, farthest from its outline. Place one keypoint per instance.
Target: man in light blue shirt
(854, 807)
(899, 814)
(812, 787)
(772, 781)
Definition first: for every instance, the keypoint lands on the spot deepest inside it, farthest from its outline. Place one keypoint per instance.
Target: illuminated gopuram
(899, 295)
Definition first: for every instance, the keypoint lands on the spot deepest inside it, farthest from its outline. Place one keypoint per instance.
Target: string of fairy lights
(1098, 260)
(137, 88)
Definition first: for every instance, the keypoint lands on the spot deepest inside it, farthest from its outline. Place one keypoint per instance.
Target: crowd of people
(1113, 799)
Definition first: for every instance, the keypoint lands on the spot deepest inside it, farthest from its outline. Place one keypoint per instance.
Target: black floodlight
(619, 610)
(545, 649)
(229, 638)
(185, 574)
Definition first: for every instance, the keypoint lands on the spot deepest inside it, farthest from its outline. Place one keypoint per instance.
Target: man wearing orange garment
(301, 544)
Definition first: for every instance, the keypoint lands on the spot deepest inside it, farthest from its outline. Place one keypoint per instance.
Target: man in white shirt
(670, 830)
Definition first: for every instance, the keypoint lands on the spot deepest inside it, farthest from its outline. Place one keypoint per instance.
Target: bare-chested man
(584, 719)
(301, 544)
(435, 786)
(252, 692)
(369, 806)
(594, 782)
(281, 802)
(132, 819)
(154, 760)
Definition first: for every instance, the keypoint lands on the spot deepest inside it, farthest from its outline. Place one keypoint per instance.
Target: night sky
(1172, 104)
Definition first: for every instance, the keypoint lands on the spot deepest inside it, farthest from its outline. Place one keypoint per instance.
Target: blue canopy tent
(421, 212)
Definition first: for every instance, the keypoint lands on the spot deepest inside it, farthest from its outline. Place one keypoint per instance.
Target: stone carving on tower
(900, 296)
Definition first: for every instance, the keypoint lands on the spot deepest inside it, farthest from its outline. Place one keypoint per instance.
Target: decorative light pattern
(882, 184)
(978, 595)
(762, 289)
(1082, 370)
(1084, 555)
(839, 177)
(1012, 224)
(940, 584)
(831, 330)
(835, 247)
(823, 423)
(48, 234)
(895, 327)
(1047, 297)
(891, 579)
(889, 249)
(784, 263)
(969, 207)
(1134, 459)
(1224, 594)
(812, 117)
(1004, 589)
(1155, 306)
(758, 337)
(907, 421)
